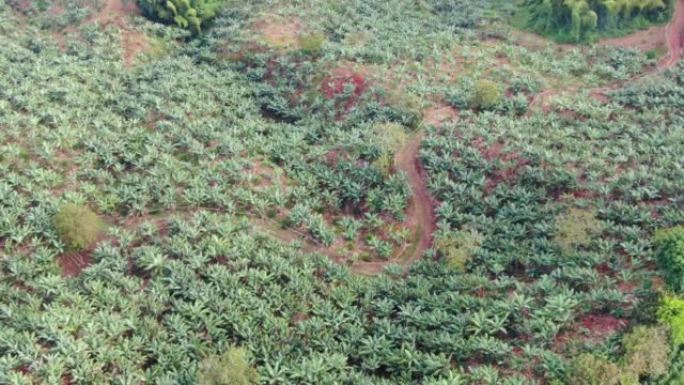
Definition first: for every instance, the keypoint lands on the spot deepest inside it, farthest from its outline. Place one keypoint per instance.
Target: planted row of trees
(579, 18)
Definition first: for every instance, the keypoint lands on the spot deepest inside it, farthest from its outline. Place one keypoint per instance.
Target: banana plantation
(323, 192)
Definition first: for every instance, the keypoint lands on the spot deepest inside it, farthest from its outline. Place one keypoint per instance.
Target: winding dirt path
(420, 215)
(674, 36)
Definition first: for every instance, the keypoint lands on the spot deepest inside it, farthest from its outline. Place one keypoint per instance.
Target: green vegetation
(582, 19)
(575, 228)
(231, 368)
(255, 216)
(189, 14)
(646, 352)
(670, 255)
(588, 369)
(485, 95)
(77, 226)
(671, 312)
(312, 43)
(458, 248)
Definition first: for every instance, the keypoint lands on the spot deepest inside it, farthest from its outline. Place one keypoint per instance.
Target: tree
(231, 368)
(189, 14)
(671, 312)
(581, 16)
(670, 256)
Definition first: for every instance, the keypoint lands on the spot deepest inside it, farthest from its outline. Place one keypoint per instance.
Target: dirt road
(674, 36)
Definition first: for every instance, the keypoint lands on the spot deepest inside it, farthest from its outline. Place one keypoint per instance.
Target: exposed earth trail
(420, 215)
(674, 36)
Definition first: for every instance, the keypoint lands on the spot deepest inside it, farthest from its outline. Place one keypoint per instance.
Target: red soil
(115, 12)
(675, 37)
(338, 83)
(592, 329)
(73, 263)
(602, 326)
(420, 215)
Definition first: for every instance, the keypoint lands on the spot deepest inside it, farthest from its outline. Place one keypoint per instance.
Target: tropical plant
(671, 312)
(189, 14)
(670, 255)
(580, 17)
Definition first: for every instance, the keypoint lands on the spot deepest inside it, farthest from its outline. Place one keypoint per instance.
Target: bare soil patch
(73, 263)
(675, 37)
(591, 329)
(435, 116)
(134, 44)
(646, 40)
(279, 33)
(115, 12)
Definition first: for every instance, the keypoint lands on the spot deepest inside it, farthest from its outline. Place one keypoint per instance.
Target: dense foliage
(670, 254)
(230, 368)
(580, 18)
(190, 14)
(232, 174)
(77, 226)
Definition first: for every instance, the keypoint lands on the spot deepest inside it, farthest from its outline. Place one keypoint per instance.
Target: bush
(575, 228)
(312, 43)
(486, 95)
(588, 369)
(189, 14)
(457, 248)
(231, 368)
(671, 312)
(670, 256)
(646, 351)
(77, 226)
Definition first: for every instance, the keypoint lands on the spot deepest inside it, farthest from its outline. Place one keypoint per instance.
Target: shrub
(77, 226)
(231, 368)
(671, 312)
(457, 248)
(189, 14)
(669, 245)
(646, 351)
(575, 229)
(390, 136)
(588, 369)
(312, 43)
(485, 95)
